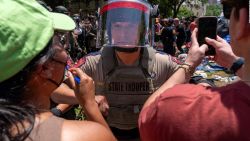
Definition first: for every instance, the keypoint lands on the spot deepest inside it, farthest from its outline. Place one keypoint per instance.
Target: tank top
(48, 130)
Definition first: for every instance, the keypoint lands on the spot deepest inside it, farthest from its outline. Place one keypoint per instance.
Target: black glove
(56, 112)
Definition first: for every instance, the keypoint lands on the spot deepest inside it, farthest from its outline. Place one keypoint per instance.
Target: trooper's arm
(60, 109)
(64, 94)
(183, 74)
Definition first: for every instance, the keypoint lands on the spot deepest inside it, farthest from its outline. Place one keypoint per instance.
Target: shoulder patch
(70, 62)
(174, 59)
(80, 62)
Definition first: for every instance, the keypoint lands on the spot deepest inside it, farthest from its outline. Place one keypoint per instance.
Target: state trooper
(127, 70)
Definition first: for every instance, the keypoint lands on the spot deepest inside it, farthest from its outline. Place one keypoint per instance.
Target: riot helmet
(61, 9)
(76, 18)
(45, 5)
(125, 24)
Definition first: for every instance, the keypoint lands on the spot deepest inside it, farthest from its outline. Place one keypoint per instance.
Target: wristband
(237, 65)
(56, 112)
(188, 68)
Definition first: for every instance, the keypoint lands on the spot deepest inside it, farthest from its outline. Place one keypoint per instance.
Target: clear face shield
(125, 24)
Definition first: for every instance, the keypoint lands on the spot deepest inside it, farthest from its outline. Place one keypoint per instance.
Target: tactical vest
(127, 87)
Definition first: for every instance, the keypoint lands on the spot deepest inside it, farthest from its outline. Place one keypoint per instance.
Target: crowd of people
(173, 36)
(128, 90)
(82, 39)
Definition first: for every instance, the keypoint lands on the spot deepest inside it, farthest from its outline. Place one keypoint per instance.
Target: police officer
(127, 69)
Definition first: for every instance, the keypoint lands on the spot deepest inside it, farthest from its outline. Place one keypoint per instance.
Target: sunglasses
(227, 9)
(63, 38)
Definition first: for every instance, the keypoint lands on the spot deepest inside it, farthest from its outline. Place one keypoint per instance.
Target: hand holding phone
(207, 27)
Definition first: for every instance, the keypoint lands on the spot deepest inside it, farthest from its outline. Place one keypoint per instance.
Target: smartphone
(207, 27)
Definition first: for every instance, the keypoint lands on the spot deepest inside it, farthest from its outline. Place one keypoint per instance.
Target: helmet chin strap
(127, 50)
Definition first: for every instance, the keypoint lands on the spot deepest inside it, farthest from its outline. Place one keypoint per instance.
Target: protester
(180, 33)
(157, 27)
(168, 37)
(195, 113)
(32, 64)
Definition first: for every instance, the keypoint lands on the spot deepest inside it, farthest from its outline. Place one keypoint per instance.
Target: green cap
(26, 27)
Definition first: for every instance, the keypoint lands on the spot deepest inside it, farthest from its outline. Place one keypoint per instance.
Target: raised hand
(196, 52)
(224, 53)
(85, 90)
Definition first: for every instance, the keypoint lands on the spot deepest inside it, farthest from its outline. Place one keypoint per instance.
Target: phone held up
(207, 27)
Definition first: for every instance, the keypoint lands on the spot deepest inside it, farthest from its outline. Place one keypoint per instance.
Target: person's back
(168, 35)
(181, 33)
(44, 126)
(167, 38)
(52, 128)
(200, 114)
(196, 113)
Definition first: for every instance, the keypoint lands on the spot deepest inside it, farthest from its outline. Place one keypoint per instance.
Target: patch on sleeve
(176, 60)
(70, 62)
(80, 62)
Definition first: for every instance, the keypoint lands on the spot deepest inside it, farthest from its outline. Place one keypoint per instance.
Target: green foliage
(171, 8)
(165, 10)
(213, 10)
(79, 113)
(184, 12)
(154, 1)
(203, 1)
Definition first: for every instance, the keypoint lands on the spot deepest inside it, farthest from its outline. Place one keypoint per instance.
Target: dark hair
(15, 114)
(237, 5)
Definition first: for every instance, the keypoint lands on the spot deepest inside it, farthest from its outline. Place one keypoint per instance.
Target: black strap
(56, 112)
(237, 65)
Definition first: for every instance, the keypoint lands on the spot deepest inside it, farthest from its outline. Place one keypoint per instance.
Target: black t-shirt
(188, 33)
(182, 34)
(167, 35)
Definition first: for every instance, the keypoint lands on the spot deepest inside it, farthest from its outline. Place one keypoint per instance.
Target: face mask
(60, 82)
(127, 50)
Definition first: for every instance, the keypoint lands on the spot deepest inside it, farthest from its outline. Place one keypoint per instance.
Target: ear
(44, 71)
(242, 24)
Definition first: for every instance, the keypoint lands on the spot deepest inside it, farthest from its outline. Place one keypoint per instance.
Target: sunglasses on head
(227, 9)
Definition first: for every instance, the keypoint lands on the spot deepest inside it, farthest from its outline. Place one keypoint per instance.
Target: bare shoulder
(85, 131)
